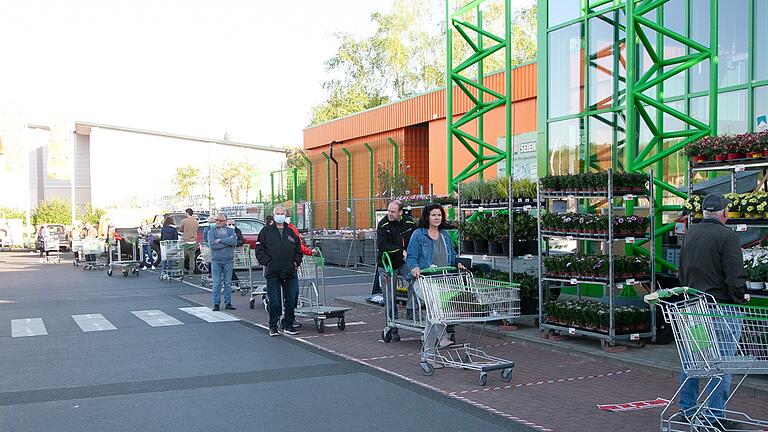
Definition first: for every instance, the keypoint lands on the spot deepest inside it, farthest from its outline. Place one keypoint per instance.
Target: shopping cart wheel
(386, 335)
(125, 273)
(135, 272)
(320, 324)
(341, 324)
(483, 378)
(252, 303)
(109, 271)
(506, 375)
(74, 263)
(427, 369)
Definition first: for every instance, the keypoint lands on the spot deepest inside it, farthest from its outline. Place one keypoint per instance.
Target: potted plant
(501, 189)
(467, 236)
(496, 227)
(734, 148)
(525, 234)
(470, 193)
(734, 208)
(693, 205)
(480, 237)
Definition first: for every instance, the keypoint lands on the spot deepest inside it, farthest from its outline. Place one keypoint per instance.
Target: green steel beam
(370, 181)
(480, 92)
(328, 193)
(310, 179)
(349, 183)
(396, 155)
(295, 179)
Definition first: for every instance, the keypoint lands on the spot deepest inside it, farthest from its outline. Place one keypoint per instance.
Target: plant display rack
(733, 167)
(612, 285)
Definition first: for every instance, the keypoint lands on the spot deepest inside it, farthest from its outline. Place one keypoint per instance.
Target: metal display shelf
(732, 165)
(610, 283)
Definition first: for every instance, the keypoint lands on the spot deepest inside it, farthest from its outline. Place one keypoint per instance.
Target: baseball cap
(714, 202)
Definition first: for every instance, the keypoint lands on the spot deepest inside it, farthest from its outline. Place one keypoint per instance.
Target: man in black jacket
(278, 251)
(711, 261)
(392, 236)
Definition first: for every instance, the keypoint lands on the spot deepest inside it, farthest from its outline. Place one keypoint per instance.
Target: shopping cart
(242, 262)
(171, 251)
(78, 257)
(116, 261)
(51, 249)
(312, 303)
(712, 340)
(460, 298)
(93, 250)
(416, 320)
(204, 259)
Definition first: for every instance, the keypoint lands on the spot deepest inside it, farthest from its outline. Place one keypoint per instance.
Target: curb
(756, 386)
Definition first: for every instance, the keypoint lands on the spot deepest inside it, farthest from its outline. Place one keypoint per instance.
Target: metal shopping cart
(172, 254)
(242, 261)
(205, 264)
(116, 261)
(78, 257)
(312, 304)
(412, 322)
(51, 249)
(460, 298)
(93, 250)
(712, 340)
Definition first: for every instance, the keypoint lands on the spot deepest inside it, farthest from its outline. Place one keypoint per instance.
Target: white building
(119, 167)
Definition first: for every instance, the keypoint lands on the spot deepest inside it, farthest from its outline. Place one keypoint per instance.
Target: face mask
(280, 219)
(287, 220)
(231, 226)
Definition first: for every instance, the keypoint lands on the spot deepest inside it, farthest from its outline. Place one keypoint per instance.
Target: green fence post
(328, 176)
(349, 182)
(370, 184)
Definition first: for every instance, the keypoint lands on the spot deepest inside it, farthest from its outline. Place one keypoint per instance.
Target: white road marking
(205, 313)
(156, 318)
(93, 322)
(28, 327)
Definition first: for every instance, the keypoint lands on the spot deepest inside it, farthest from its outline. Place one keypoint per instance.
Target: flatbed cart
(712, 340)
(116, 261)
(311, 274)
(463, 299)
(417, 321)
(172, 251)
(93, 251)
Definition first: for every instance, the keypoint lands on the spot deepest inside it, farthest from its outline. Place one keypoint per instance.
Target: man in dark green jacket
(711, 261)
(392, 236)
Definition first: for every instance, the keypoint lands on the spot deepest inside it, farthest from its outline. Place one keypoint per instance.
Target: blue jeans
(146, 256)
(728, 333)
(288, 290)
(221, 272)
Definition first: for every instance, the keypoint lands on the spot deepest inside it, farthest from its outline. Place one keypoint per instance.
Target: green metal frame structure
(473, 35)
(644, 69)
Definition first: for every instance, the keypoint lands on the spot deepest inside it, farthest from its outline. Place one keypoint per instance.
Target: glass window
(601, 128)
(700, 109)
(674, 19)
(761, 109)
(761, 40)
(563, 147)
(699, 73)
(561, 11)
(732, 113)
(672, 124)
(733, 45)
(566, 77)
(604, 36)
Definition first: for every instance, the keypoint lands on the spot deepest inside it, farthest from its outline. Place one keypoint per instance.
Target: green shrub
(53, 212)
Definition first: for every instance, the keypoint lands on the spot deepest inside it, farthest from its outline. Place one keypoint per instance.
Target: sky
(248, 68)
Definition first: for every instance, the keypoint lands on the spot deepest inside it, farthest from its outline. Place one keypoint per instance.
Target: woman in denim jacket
(430, 246)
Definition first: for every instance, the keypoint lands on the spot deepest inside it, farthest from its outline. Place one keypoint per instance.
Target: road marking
(93, 322)
(156, 318)
(205, 313)
(28, 327)
(515, 386)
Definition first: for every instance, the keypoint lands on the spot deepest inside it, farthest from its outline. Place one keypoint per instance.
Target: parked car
(250, 228)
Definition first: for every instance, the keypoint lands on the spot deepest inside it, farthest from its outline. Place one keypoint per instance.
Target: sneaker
(153, 268)
(273, 331)
(297, 325)
(728, 425)
(229, 306)
(216, 308)
(290, 330)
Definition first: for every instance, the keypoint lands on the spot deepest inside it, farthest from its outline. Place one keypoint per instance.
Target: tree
(406, 55)
(185, 180)
(91, 214)
(53, 211)
(236, 179)
(295, 157)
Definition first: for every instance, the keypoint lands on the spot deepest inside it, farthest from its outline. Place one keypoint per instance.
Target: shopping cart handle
(387, 263)
(654, 297)
(443, 269)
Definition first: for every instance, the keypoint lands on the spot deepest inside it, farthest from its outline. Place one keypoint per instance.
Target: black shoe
(229, 307)
(216, 308)
(395, 337)
(273, 331)
(297, 325)
(290, 330)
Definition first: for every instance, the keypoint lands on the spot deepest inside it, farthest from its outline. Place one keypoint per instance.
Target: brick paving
(550, 390)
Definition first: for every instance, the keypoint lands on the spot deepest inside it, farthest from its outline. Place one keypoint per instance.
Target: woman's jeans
(728, 333)
(221, 272)
(146, 256)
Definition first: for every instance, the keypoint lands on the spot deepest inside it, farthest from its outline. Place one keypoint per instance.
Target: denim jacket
(421, 247)
(224, 251)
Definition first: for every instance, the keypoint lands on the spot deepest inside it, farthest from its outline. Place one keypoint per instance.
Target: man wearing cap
(711, 261)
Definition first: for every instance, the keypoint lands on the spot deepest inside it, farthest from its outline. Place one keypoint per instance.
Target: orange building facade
(417, 126)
